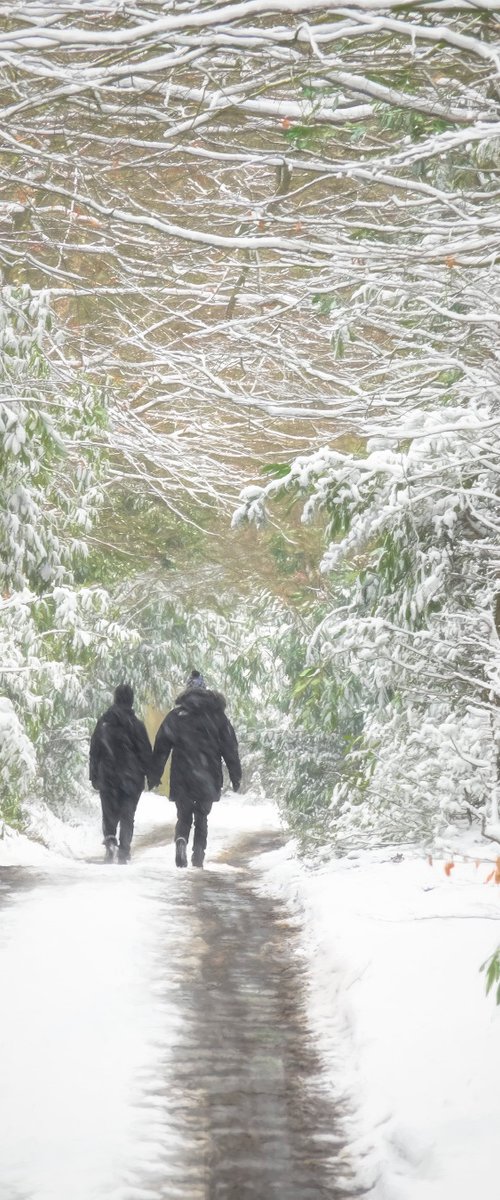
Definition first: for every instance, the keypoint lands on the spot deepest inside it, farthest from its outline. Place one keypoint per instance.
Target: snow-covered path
(153, 1042)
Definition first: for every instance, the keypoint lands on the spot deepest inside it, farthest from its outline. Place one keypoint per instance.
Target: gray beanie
(196, 680)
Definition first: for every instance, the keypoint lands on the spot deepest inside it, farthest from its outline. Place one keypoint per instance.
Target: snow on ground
(89, 1003)
(80, 837)
(394, 950)
(78, 1026)
(393, 946)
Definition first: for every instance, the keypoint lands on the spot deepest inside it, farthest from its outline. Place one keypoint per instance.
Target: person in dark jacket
(199, 735)
(120, 758)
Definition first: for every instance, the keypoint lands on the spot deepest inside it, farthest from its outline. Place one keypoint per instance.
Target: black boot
(123, 855)
(181, 853)
(197, 857)
(110, 844)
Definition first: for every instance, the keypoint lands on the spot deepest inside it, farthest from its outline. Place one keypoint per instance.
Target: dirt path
(222, 1096)
(245, 1067)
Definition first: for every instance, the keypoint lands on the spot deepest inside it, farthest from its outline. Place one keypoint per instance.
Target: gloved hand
(236, 787)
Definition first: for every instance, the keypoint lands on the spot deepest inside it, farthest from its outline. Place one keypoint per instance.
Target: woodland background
(249, 396)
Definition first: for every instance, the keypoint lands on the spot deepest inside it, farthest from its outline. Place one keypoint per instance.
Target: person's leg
(110, 817)
(129, 802)
(182, 831)
(184, 819)
(201, 810)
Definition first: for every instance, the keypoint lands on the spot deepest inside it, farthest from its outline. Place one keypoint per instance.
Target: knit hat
(196, 680)
(124, 695)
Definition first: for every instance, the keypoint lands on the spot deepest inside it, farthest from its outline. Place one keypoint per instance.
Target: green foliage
(276, 470)
(407, 121)
(491, 967)
(313, 91)
(134, 531)
(287, 558)
(324, 303)
(11, 810)
(308, 137)
(309, 680)
(450, 376)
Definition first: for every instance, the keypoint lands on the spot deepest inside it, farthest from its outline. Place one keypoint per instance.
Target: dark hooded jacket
(120, 750)
(199, 735)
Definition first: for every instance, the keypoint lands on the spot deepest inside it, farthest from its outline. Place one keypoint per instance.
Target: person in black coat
(199, 735)
(120, 758)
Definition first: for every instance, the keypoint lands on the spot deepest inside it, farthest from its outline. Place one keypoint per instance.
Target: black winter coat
(199, 735)
(120, 750)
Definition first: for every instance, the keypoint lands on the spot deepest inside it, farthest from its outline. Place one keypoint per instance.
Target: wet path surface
(157, 1044)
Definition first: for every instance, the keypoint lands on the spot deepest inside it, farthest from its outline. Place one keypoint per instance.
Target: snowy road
(153, 1039)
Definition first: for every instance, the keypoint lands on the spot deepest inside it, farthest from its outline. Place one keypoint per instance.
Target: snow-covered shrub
(410, 643)
(49, 479)
(17, 762)
(53, 631)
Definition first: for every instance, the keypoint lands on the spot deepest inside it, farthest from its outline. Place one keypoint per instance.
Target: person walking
(120, 758)
(199, 735)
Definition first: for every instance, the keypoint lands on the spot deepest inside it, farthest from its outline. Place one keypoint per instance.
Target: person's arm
(230, 753)
(143, 747)
(94, 757)
(164, 742)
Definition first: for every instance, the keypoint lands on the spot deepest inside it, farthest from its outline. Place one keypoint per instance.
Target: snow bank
(78, 836)
(48, 836)
(88, 1017)
(394, 949)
